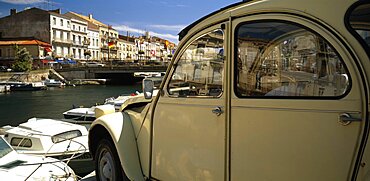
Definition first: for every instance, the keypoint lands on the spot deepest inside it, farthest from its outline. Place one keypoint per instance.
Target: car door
(189, 119)
(296, 103)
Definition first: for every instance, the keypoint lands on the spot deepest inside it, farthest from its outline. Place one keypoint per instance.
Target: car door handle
(346, 119)
(218, 111)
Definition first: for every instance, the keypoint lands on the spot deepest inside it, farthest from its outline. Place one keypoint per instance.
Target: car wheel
(107, 163)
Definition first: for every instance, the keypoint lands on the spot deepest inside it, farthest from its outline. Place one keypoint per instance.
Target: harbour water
(18, 107)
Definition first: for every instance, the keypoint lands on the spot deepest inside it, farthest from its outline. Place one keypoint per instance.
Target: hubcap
(106, 166)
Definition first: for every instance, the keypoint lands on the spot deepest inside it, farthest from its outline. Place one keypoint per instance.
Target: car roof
(184, 31)
(253, 5)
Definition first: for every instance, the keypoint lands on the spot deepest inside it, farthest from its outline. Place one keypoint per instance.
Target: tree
(23, 60)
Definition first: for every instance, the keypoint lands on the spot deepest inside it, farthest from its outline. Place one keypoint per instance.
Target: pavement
(89, 177)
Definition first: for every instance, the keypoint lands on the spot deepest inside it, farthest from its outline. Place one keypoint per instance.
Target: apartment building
(80, 37)
(107, 35)
(47, 26)
(79, 33)
(126, 48)
(60, 34)
(94, 40)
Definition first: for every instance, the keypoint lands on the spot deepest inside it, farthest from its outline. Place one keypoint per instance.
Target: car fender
(120, 130)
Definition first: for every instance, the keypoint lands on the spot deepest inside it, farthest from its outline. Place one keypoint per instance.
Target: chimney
(13, 11)
(90, 16)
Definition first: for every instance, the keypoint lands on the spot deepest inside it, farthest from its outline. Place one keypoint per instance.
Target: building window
(68, 24)
(287, 61)
(84, 29)
(61, 22)
(1, 53)
(54, 21)
(74, 27)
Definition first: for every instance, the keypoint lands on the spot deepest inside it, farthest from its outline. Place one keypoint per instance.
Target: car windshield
(360, 22)
(4, 148)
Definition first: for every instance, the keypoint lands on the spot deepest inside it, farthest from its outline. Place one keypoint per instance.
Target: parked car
(226, 117)
(94, 64)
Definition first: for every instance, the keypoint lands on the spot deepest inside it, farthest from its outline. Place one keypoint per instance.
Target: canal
(18, 107)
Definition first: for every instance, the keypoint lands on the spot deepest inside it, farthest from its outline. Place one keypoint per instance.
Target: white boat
(54, 83)
(4, 88)
(88, 114)
(52, 138)
(16, 166)
(81, 114)
(118, 101)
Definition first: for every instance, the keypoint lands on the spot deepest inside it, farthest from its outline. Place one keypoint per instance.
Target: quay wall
(77, 74)
(33, 76)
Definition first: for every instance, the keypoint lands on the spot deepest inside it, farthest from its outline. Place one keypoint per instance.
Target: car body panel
(121, 131)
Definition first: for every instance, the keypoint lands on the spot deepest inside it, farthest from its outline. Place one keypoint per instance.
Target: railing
(62, 40)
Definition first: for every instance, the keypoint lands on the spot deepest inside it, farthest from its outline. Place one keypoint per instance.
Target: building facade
(83, 38)
(79, 49)
(39, 50)
(60, 34)
(106, 35)
(127, 50)
(94, 40)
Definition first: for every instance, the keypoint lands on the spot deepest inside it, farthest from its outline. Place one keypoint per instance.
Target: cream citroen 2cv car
(259, 90)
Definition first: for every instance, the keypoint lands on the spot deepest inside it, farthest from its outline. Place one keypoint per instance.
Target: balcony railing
(62, 40)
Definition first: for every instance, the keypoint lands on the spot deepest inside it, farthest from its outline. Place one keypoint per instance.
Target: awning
(47, 49)
(70, 61)
(60, 61)
(47, 61)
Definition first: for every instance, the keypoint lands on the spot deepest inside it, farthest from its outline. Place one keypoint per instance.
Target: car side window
(199, 71)
(282, 59)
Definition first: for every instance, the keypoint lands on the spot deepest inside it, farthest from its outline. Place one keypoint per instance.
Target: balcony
(59, 40)
(80, 44)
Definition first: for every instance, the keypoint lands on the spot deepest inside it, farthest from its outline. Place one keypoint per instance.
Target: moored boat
(4, 88)
(18, 82)
(17, 166)
(52, 138)
(54, 83)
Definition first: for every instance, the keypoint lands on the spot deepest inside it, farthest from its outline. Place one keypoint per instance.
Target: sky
(162, 18)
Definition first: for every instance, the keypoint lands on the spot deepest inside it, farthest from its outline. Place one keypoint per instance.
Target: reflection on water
(18, 107)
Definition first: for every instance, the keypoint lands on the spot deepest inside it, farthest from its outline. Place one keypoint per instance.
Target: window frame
(303, 27)
(21, 140)
(195, 37)
(347, 22)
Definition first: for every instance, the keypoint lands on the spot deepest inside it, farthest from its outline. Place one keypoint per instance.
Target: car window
(199, 72)
(359, 21)
(283, 59)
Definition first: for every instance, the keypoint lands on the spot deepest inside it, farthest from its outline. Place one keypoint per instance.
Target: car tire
(107, 163)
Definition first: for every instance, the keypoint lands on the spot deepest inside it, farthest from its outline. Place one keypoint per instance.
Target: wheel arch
(117, 128)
